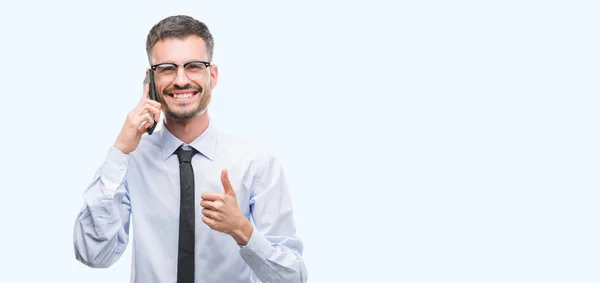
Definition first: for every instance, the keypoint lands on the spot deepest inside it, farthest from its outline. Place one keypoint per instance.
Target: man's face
(187, 94)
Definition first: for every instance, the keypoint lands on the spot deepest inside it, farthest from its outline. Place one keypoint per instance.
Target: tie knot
(185, 153)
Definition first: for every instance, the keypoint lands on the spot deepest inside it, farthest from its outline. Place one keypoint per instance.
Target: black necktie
(185, 262)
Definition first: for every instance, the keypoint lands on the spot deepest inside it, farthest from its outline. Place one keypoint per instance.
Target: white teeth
(183, 95)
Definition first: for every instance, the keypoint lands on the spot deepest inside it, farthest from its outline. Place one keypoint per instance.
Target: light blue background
(423, 141)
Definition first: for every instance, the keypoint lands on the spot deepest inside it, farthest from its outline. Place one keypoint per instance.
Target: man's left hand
(222, 212)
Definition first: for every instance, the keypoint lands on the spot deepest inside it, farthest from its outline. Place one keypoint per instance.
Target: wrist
(243, 233)
(121, 148)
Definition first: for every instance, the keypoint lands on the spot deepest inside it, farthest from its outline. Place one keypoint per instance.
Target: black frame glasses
(155, 67)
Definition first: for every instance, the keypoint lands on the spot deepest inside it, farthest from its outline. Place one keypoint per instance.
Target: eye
(195, 66)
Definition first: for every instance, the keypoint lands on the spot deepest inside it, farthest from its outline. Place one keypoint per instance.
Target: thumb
(226, 184)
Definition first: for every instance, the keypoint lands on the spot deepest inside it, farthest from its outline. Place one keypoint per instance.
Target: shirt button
(246, 256)
(121, 167)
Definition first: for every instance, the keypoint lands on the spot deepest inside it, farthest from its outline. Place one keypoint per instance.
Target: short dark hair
(179, 26)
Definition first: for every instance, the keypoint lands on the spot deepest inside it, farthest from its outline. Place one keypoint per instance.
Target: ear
(214, 76)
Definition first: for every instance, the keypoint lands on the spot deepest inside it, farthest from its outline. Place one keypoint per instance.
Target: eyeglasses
(167, 72)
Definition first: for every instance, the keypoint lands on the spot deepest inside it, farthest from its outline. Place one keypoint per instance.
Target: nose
(181, 80)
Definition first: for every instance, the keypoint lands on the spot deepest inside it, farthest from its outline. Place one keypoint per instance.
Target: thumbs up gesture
(222, 212)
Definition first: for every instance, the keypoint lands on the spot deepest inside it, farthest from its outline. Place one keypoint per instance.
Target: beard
(204, 95)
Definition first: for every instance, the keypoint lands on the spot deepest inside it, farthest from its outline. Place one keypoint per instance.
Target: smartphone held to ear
(152, 95)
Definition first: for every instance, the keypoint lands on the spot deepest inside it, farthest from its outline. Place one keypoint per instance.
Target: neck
(190, 130)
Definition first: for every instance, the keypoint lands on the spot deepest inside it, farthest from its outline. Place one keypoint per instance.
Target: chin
(184, 115)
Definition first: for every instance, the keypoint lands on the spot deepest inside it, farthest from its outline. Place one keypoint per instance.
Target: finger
(212, 196)
(210, 222)
(146, 112)
(146, 99)
(144, 94)
(211, 214)
(213, 205)
(144, 122)
(226, 184)
(144, 126)
(151, 102)
(151, 109)
(147, 107)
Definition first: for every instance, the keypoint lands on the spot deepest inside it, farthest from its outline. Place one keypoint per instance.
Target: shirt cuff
(113, 170)
(258, 246)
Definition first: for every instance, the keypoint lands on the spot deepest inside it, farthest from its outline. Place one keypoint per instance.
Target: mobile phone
(151, 95)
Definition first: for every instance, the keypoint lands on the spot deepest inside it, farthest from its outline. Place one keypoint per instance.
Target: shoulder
(153, 140)
(238, 147)
(255, 163)
(149, 145)
(235, 144)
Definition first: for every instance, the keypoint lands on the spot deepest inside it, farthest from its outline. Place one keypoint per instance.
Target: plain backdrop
(423, 141)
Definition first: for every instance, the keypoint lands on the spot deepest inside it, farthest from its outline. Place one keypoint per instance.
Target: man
(205, 206)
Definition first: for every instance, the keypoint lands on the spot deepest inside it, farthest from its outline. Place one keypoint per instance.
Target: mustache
(185, 87)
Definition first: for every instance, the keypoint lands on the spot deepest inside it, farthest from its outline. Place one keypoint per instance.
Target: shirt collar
(205, 144)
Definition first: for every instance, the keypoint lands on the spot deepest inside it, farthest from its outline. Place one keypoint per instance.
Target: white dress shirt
(141, 190)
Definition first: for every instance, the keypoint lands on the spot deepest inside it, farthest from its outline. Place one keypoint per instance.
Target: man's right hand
(138, 120)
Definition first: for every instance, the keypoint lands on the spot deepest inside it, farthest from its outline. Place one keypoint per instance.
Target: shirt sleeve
(101, 231)
(274, 253)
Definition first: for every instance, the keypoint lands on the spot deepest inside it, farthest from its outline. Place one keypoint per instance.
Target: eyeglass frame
(206, 64)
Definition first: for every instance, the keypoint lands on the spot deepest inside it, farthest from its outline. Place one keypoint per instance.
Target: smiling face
(183, 91)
